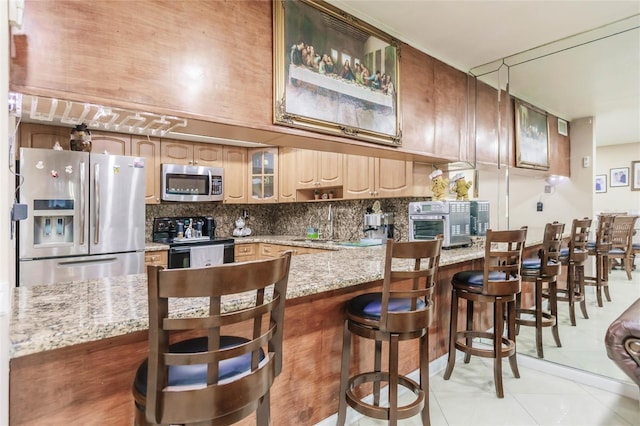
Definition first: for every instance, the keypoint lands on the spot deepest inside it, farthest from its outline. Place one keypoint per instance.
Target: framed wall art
(601, 183)
(619, 177)
(335, 74)
(532, 137)
(635, 175)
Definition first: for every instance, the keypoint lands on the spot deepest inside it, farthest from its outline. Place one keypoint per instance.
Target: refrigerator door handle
(96, 182)
(83, 192)
(72, 263)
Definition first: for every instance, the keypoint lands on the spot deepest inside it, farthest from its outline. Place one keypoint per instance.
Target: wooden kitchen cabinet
(149, 149)
(191, 153)
(317, 169)
(156, 258)
(43, 136)
(269, 251)
(263, 175)
(110, 143)
(286, 175)
(235, 172)
(368, 177)
(245, 252)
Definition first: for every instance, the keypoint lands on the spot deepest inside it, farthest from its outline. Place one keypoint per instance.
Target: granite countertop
(48, 317)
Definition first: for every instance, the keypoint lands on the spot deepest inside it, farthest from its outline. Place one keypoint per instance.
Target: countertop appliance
(378, 226)
(452, 219)
(479, 217)
(192, 241)
(86, 216)
(191, 183)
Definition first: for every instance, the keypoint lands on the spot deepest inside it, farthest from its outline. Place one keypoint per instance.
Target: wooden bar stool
(622, 243)
(225, 373)
(498, 283)
(573, 257)
(540, 270)
(393, 315)
(600, 250)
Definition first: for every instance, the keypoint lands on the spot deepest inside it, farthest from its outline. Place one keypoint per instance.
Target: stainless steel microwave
(191, 183)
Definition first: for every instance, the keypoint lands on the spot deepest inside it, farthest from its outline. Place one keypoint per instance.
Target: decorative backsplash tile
(290, 218)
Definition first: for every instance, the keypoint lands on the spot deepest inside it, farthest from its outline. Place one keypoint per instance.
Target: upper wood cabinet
(235, 174)
(286, 175)
(43, 136)
(149, 149)
(451, 138)
(317, 169)
(191, 153)
(559, 149)
(367, 177)
(263, 175)
(110, 143)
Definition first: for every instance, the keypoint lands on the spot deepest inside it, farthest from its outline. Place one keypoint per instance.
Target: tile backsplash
(290, 218)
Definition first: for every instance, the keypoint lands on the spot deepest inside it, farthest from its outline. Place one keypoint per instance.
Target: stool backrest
(260, 289)
(550, 253)
(580, 229)
(603, 234)
(418, 262)
(503, 261)
(622, 233)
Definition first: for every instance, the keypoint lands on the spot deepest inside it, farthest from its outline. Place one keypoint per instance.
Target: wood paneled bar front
(76, 346)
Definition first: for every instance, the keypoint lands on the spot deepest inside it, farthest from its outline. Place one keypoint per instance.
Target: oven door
(427, 227)
(201, 255)
(179, 257)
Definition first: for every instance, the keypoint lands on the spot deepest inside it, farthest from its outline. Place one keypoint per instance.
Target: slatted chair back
(622, 233)
(580, 229)
(550, 253)
(260, 288)
(418, 262)
(503, 262)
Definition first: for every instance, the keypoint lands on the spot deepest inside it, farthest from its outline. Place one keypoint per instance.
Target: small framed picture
(635, 175)
(619, 177)
(601, 183)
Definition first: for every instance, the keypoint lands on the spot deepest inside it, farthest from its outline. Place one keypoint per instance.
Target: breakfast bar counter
(75, 346)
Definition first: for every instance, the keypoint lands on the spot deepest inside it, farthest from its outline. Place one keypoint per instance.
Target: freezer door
(51, 185)
(117, 208)
(67, 269)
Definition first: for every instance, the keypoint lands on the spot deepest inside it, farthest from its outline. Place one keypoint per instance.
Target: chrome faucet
(330, 219)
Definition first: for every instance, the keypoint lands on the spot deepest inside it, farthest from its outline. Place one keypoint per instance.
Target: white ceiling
(595, 72)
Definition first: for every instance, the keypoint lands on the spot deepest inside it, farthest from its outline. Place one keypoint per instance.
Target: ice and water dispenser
(52, 222)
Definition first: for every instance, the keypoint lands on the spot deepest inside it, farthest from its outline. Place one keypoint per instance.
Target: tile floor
(539, 397)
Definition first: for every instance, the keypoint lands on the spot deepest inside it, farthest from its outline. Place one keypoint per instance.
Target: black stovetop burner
(184, 229)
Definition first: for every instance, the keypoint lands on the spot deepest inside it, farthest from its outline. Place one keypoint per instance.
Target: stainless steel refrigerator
(86, 216)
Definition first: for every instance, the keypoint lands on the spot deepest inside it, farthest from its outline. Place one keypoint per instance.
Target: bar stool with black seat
(600, 250)
(498, 283)
(540, 270)
(402, 311)
(224, 374)
(573, 257)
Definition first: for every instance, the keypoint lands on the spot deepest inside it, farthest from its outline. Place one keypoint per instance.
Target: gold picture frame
(532, 137)
(317, 84)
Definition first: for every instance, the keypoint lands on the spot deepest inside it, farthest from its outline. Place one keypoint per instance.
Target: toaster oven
(428, 219)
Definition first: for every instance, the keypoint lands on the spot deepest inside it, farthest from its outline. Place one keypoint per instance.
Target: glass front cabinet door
(263, 176)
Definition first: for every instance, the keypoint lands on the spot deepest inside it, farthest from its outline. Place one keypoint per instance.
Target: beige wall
(619, 198)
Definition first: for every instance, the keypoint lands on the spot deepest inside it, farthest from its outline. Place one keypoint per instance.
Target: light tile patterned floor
(538, 398)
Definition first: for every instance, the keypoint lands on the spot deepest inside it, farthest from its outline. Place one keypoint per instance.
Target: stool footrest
(548, 320)
(508, 346)
(376, 411)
